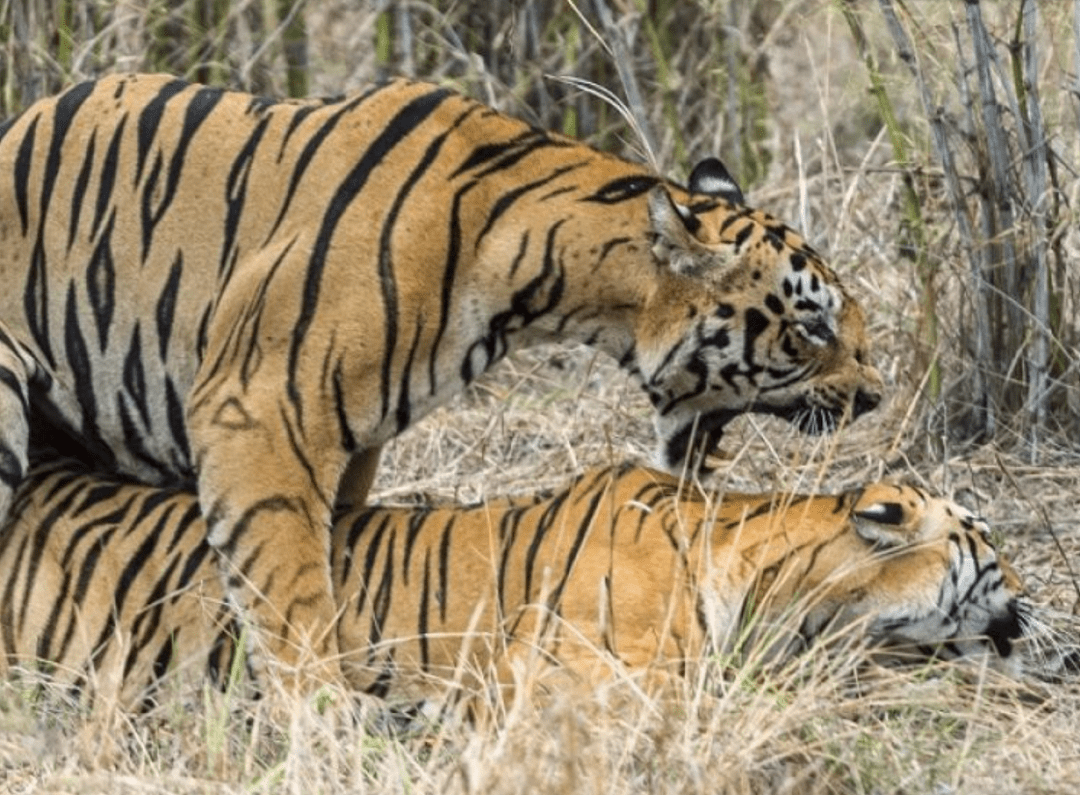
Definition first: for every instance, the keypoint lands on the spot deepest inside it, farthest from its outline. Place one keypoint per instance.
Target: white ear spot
(712, 179)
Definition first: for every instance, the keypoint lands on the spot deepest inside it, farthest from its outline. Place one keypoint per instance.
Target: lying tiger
(114, 583)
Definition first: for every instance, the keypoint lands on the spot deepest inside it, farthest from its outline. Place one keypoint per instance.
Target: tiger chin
(204, 286)
(625, 569)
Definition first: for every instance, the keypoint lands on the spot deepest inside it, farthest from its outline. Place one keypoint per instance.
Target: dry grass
(826, 723)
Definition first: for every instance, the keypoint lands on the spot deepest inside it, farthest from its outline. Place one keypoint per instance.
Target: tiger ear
(886, 524)
(673, 229)
(711, 178)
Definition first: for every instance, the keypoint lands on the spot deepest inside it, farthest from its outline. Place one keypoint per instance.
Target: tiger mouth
(811, 420)
(696, 440)
(700, 438)
(1003, 630)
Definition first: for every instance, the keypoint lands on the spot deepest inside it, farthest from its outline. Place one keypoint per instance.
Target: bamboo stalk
(1000, 204)
(294, 46)
(1034, 168)
(912, 213)
(621, 55)
(984, 417)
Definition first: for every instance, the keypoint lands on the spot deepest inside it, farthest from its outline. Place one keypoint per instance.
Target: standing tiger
(206, 286)
(114, 583)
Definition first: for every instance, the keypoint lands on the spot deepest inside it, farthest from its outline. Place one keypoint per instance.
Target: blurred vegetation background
(930, 148)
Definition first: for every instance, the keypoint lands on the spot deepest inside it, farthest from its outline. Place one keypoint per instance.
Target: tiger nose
(864, 401)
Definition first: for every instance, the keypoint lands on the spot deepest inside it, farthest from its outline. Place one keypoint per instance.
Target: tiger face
(766, 325)
(918, 571)
(929, 543)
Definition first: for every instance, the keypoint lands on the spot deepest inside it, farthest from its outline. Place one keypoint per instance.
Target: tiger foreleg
(267, 508)
(17, 367)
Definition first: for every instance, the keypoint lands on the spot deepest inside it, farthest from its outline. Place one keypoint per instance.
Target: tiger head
(734, 313)
(943, 583)
(920, 571)
(768, 327)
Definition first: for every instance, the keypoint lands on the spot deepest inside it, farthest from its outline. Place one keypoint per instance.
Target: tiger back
(110, 584)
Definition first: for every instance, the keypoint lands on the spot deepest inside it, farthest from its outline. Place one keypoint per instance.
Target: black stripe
(422, 615)
(387, 279)
(734, 217)
(146, 624)
(79, 195)
(174, 411)
(522, 143)
(78, 359)
(404, 407)
(507, 199)
(537, 298)
(381, 601)
(444, 567)
(756, 323)
(583, 527)
(182, 525)
(276, 504)
(623, 189)
(297, 119)
(107, 178)
(17, 387)
(236, 193)
(543, 524)
(146, 210)
(407, 119)
(134, 378)
(8, 602)
(34, 551)
(516, 156)
(369, 562)
(417, 519)
(136, 563)
(67, 105)
(508, 527)
(311, 148)
(743, 235)
(453, 249)
(134, 438)
(300, 454)
(199, 107)
(348, 440)
(166, 306)
(197, 556)
(356, 530)
(23, 161)
(149, 120)
(101, 283)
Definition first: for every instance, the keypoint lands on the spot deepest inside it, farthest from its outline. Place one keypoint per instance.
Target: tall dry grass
(793, 99)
